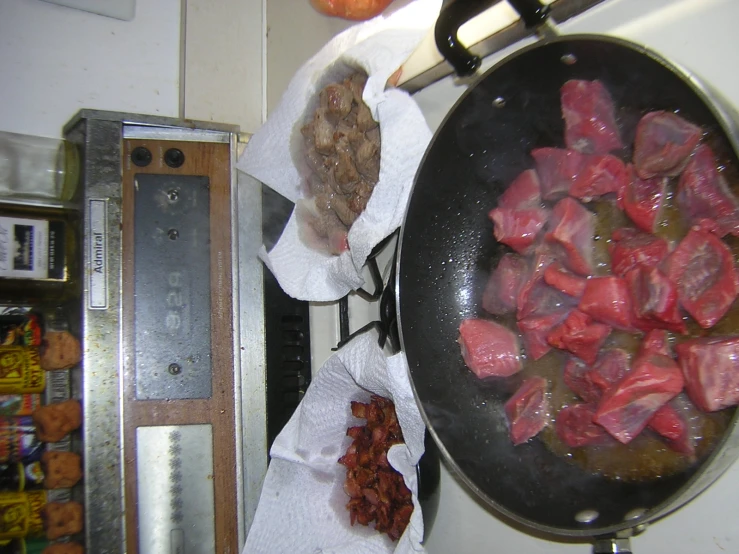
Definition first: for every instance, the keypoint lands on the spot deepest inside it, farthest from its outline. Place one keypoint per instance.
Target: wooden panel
(201, 159)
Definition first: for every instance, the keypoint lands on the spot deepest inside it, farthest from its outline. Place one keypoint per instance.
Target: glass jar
(33, 167)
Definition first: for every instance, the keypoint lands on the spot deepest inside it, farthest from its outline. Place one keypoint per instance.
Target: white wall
(55, 60)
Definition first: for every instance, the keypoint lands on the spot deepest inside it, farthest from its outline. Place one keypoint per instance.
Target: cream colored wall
(223, 68)
(239, 55)
(295, 31)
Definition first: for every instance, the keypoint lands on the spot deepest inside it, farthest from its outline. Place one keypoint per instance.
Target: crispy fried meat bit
(377, 491)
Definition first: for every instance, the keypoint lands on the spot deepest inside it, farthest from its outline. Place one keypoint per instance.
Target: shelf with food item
(40, 464)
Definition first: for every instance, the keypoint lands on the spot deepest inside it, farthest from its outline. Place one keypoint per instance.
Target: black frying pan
(447, 249)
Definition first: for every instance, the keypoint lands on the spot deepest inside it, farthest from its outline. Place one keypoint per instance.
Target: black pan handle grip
(451, 18)
(533, 13)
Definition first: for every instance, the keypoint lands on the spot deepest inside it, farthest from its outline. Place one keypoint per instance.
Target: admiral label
(98, 255)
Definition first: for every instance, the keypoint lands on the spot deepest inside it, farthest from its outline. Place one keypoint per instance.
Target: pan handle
(451, 18)
(612, 546)
(533, 13)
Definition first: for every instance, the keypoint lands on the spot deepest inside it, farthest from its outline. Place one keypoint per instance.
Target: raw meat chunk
(656, 341)
(667, 422)
(572, 229)
(524, 192)
(575, 426)
(627, 407)
(663, 144)
(610, 368)
(590, 382)
(489, 349)
(579, 335)
(578, 377)
(630, 248)
(518, 228)
(558, 277)
(671, 423)
(711, 369)
(702, 268)
(557, 169)
(528, 410)
(654, 298)
(590, 117)
(501, 291)
(703, 193)
(599, 175)
(607, 299)
(642, 199)
(536, 297)
(534, 331)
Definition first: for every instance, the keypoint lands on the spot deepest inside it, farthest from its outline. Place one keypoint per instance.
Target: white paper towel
(302, 508)
(378, 47)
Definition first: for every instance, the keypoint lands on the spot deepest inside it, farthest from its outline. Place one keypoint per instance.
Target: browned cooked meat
(364, 118)
(346, 173)
(323, 132)
(342, 152)
(338, 99)
(356, 84)
(368, 160)
(352, 132)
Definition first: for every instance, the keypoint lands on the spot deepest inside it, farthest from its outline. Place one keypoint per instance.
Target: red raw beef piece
(557, 169)
(579, 335)
(575, 426)
(642, 199)
(610, 368)
(590, 382)
(518, 228)
(667, 422)
(671, 423)
(655, 301)
(536, 297)
(523, 193)
(663, 144)
(489, 349)
(534, 331)
(599, 175)
(711, 369)
(702, 193)
(527, 410)
(578, 377)
(702, 268)
(501, 291)
(572, 228)
(630, 247)
(590, 117)
(607, 299)
(558, 277)
(656, 341)
(626, 408)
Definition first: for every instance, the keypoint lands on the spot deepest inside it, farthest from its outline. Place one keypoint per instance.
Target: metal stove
(179, 404)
